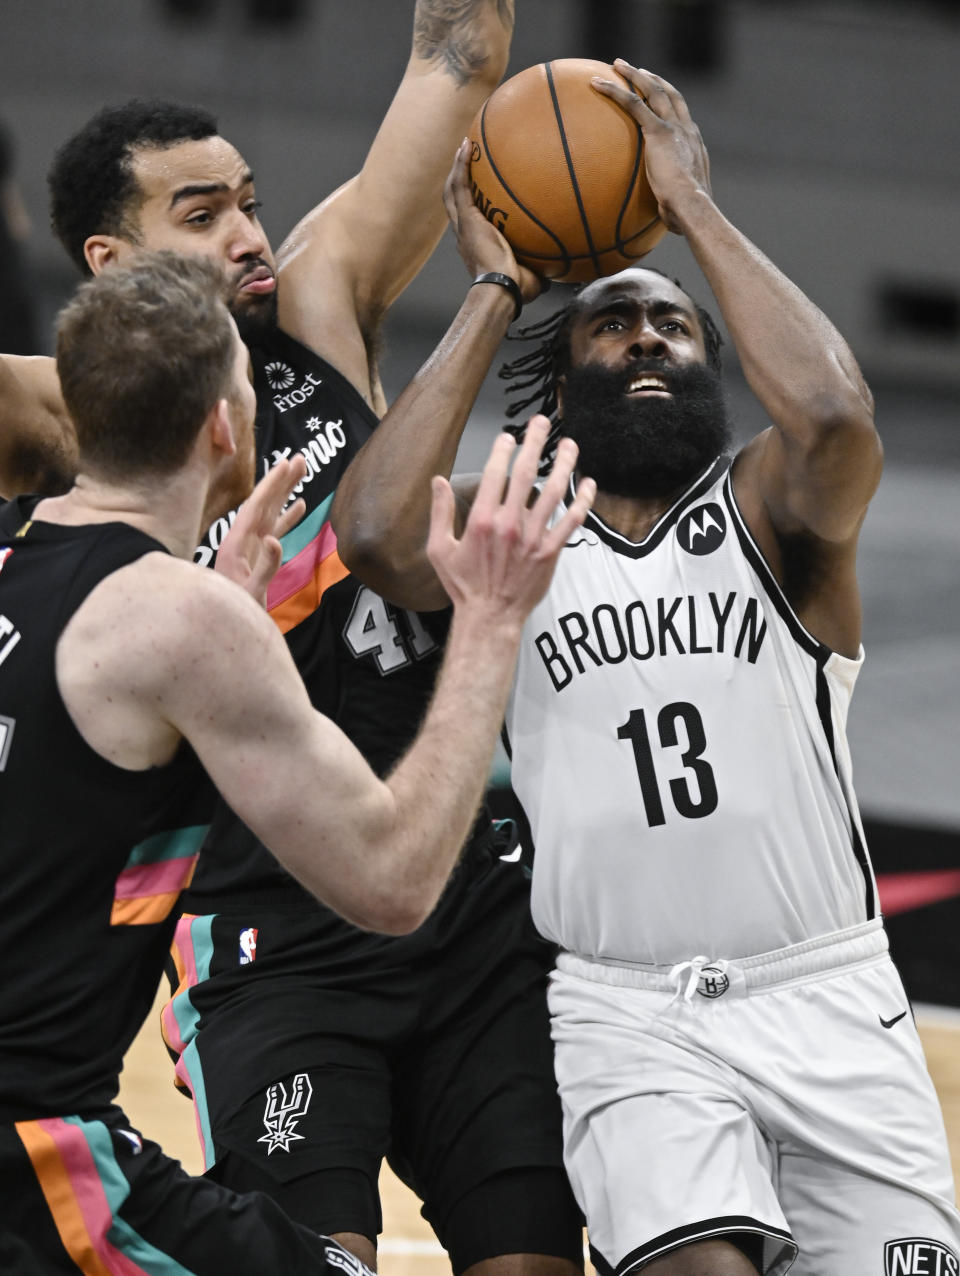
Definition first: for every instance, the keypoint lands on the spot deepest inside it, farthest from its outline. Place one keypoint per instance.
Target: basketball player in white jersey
(743, 1086)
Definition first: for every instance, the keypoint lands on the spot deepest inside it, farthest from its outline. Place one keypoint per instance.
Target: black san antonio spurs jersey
(92, 857)
(678, 748)
(368, 665)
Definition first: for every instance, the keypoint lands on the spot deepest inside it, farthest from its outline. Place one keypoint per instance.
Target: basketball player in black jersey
(436, 1047)
(127, 678)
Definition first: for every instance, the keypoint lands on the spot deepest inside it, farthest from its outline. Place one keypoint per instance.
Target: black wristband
(511, 285)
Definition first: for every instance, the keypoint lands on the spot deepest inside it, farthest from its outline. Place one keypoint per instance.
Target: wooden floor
(407, 1244)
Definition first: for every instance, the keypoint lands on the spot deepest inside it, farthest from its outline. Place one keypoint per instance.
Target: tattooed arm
(350, 258)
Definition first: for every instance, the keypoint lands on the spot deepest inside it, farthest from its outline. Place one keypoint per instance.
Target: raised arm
(348, 260)
(38, 451)
(220, 674)
(382, 506)
(812, 475)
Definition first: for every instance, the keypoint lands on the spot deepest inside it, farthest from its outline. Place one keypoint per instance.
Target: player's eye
(199, 218)
(251, 206)
(612, 323)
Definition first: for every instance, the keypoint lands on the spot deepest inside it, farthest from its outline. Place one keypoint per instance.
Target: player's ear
(103, 250)
(560, 383)
(221, 428)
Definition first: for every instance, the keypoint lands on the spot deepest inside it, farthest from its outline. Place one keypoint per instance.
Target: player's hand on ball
(675, 157)
(479, 243)
(251, 551)
(502, 564)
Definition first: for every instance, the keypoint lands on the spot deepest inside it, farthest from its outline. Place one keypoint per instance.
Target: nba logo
(4, 555)
(248, 945)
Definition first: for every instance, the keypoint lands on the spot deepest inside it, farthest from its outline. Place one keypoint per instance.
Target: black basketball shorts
(435, 1054)
(88, 1194)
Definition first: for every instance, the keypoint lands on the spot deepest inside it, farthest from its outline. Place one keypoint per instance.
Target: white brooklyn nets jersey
(678, 748)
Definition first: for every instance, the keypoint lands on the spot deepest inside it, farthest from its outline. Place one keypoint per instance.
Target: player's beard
(257, 321)
(255, 317)
(639, 444)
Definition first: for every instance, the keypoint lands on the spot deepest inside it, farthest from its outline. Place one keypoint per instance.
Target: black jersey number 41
(692, 801)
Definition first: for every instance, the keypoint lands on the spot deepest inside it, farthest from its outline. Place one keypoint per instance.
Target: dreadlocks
(540, 369)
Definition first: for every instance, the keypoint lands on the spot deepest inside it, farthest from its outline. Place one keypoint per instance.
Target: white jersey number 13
(693, 806)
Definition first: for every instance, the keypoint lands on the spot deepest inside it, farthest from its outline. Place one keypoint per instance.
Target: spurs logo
(282, 1113)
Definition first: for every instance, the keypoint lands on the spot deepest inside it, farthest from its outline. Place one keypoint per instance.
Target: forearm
(382, 508)
(450, 759)
(470, 39)
(796, 362)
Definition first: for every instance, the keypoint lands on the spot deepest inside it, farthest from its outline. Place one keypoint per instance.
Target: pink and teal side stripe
(85, 1188)
(310, 564)
(157, 870)
(192, 952)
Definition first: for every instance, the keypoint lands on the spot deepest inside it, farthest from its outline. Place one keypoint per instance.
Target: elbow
(842, 427)
(395, 910)
(365, 551)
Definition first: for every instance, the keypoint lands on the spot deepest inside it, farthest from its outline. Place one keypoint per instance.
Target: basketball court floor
(408, 1246)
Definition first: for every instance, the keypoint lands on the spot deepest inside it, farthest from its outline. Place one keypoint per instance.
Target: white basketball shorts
(784, 1096)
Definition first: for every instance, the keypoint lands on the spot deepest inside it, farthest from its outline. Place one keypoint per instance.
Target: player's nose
(246, 238)
(646, 342)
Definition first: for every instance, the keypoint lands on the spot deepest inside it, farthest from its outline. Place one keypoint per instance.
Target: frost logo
(919, 1256)
(282, 1113)
(703, 529)
(279, 375)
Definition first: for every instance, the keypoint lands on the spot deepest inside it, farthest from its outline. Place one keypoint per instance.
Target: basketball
(558, 168)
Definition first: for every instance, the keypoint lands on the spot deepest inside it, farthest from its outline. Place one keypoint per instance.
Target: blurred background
(832, 130)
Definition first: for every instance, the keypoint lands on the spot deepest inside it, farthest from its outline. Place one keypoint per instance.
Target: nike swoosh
(511, 857)
(888, 1023)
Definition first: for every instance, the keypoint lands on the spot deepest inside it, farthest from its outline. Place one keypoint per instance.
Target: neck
(170, 509)
(633, 516)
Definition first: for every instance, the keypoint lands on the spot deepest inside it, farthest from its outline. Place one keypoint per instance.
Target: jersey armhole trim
(801, 636)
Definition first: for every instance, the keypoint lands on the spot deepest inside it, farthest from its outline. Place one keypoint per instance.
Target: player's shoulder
(169, 608)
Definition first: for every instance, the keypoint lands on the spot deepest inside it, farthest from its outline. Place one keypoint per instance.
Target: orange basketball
(558, 168)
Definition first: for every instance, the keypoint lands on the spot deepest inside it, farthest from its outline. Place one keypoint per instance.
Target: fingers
(659, 94)
(442, 510)
(526, 465)
(494, 477)
(648, 96)
(557, 483)
(290, 517)
(573, 516)
(272, 492)
(456, 189)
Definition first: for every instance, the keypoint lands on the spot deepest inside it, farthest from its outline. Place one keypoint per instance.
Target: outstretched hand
(251, 551)
(504, 561)
(675, 157)
(482, 247)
